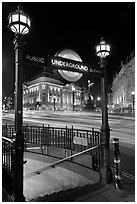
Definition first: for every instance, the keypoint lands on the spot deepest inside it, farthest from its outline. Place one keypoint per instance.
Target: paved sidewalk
(108, 194)
(93, 193)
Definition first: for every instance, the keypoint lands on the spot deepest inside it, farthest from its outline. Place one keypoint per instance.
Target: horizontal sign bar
(60, 63)
(72, 65)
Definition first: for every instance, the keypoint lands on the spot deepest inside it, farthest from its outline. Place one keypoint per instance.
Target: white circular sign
(68, 75)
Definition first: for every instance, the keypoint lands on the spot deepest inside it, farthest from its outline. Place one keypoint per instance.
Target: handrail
(59, 161)
(8, 139)
(74, 155)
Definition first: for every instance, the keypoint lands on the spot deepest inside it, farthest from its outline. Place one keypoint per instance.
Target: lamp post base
(106, 172)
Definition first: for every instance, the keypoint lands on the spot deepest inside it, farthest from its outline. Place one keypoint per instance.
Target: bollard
(117, 168)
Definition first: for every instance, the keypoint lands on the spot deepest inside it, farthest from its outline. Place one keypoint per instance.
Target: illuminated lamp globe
(19, 22)
(103, 49)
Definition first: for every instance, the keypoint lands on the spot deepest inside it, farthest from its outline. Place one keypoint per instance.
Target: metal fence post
(6, 128)
(42, 138)
(117, 168)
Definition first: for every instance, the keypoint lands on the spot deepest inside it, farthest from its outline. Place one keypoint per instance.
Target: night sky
(74, 25)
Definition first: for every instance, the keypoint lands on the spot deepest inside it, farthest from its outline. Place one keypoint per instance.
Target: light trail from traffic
(123, 128)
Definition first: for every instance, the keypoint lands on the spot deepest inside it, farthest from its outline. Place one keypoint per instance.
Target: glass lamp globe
(19, 22)
(103, 49)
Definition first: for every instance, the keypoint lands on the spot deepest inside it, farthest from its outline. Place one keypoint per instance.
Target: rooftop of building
(44, 79)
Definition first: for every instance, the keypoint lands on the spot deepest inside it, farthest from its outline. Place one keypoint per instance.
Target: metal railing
(69, 140)
(8, 131)
(74, 140)
(8, 153)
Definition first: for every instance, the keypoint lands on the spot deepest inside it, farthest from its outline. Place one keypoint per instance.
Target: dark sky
(74, 25)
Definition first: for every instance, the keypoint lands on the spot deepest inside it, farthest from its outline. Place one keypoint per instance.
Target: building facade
(45, 93)
(122, 96)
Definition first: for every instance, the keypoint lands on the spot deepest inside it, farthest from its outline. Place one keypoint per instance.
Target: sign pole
(19, 137)
(105, 129)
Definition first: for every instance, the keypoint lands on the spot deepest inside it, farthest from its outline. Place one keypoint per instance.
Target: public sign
(34, 60)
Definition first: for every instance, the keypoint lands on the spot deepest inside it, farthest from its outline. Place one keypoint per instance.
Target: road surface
(123, 128)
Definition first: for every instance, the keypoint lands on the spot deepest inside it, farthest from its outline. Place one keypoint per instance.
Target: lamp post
(102, 51)
(133, 100)
(19, 23)
(73, 89)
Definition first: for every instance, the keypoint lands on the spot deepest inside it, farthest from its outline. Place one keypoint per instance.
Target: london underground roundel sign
(68, 75)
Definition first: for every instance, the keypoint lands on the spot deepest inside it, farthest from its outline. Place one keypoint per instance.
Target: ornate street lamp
(102, 51)
(20, 24)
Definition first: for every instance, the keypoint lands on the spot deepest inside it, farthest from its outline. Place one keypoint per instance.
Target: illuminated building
(46, 93)
(123, 87)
